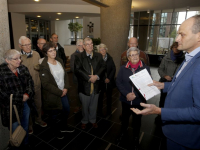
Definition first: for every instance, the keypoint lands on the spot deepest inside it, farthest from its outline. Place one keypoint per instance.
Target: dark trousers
(64, 115)
(105, 88)
(136, 124)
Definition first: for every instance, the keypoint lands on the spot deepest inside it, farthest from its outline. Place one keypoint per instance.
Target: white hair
(79, 41)
(102, 46)
(22, 38)
(10, 53)
(132, 49)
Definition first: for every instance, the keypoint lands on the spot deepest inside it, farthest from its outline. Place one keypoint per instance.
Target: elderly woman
(168, 67)
(55, 86)
(15, 79)
(130, 96)
(108, 82)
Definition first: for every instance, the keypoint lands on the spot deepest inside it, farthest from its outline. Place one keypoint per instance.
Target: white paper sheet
(141, 81)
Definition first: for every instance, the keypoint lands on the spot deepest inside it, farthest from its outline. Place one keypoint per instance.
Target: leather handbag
(18, 135)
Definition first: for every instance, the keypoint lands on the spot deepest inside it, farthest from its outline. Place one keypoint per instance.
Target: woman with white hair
(130, 96)
(15, 79)
(108, 82)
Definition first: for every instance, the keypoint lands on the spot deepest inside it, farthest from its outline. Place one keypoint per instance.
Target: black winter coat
(82, 70)
(61, 54)
(18, 86)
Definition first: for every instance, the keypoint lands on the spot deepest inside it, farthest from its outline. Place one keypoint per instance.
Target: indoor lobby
(113, 22)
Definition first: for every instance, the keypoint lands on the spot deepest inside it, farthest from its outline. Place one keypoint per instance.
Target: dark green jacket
(51, 94)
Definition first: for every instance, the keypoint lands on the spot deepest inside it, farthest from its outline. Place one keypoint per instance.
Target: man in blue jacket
(181, 112)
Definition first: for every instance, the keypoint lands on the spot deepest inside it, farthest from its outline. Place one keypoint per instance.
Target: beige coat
(32, 63)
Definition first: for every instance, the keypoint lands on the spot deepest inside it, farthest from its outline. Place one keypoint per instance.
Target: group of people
(27, 74)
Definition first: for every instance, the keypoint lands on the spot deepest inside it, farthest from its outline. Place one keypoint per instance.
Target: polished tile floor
(104, 137)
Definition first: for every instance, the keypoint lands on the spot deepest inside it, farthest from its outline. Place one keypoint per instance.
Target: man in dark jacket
(89, 67)
(59, 49)
(79, 49)
(40, 43)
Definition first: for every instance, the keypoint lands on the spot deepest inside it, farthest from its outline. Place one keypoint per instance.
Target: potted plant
(75, 27)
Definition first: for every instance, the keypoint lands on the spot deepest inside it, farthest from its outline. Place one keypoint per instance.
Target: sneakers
(83, 126)
(42, 123)
(94, 125)
(67, 129)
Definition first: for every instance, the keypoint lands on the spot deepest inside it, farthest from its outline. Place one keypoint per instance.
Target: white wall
(19, 28)
(61, 29)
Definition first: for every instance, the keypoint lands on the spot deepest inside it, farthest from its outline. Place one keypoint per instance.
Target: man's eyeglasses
(26, 45)
(80, 45)
(88, 44)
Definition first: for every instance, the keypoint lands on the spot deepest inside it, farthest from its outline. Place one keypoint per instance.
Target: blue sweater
(125, 85)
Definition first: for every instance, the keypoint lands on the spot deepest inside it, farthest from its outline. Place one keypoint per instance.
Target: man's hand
(107, 80)
(149, 109)
(130, 96)
(25, 98)
(159, 85)
(64, 92)
(168, 78)
(93, 78)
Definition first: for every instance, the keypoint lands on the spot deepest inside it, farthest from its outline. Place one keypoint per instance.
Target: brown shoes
(94, 125)
(83, 126)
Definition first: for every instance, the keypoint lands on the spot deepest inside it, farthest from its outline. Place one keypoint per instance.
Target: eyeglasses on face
(50, 51)
(80, 45)
(26, 45)
(134, 55)
(88, 44)
(15, 59)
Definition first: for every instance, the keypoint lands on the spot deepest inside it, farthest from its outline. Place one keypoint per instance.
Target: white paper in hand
(141, 80)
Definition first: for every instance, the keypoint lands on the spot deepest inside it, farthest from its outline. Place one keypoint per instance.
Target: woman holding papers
(55, 86)
(130, 95)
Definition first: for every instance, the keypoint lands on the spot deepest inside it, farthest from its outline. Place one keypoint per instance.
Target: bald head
(40, 43)
(133, 42)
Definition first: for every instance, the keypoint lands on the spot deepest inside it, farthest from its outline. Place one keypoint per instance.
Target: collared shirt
(89, 55)
(188, 57)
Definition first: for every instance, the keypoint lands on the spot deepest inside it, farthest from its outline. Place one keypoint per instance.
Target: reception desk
(69, 49)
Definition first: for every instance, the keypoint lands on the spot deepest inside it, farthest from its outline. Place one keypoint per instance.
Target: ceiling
(137, 5)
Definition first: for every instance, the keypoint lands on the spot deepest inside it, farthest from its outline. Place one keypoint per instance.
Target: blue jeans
(24, 122)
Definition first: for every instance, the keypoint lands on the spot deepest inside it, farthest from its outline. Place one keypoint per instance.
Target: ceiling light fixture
(148, 11)
(59, 13)
(39, 16)
(77, 17)
(188, 8)
(57, 19)
(36, 0)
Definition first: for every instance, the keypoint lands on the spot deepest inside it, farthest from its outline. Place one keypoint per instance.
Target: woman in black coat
(108, 82)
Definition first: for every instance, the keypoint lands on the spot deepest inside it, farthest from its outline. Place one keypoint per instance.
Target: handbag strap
(16, 112)
(11, 115)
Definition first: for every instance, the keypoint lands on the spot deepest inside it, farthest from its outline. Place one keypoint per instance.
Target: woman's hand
(107, 80)
(25, 98)
(130, 96)
(64, 92)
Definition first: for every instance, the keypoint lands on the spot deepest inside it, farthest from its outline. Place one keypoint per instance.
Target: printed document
(141, 81)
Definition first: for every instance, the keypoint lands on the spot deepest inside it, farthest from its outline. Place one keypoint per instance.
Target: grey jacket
(168, 67)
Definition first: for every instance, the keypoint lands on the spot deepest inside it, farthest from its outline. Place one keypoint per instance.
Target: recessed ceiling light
(59, 13)
(77, 17)
(36, 0)
(39, 16)
(57, 19)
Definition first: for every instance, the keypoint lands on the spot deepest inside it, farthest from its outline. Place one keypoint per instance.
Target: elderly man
(59, 49)
(89, 67)
(30, 59)
(133, 42)
(40, 43)
(79, 49)
(181, 112)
